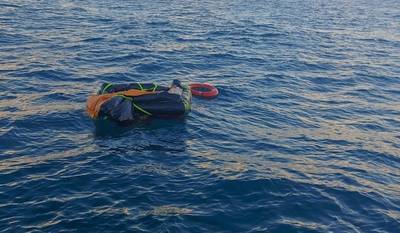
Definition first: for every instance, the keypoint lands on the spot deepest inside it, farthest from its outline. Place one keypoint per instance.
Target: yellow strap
(141, 87)
(106, 87)
(141, 109)
(155, 87)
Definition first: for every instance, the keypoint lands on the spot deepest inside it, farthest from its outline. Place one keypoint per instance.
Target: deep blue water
(304, 136)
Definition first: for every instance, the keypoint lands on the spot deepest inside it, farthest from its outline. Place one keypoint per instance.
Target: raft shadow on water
(107, 128)
(157, 136)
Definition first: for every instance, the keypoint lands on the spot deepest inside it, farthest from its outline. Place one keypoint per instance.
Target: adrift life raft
(136, 101)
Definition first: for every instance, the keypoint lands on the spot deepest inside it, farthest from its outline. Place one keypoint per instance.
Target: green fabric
(187, 105)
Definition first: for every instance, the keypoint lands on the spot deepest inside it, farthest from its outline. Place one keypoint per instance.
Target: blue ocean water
(304, 136)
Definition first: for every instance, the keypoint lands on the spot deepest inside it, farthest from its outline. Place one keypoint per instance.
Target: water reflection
(107, 128)
(153, 135)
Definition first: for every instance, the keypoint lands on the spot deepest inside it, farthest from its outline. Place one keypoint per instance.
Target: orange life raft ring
(203, 90)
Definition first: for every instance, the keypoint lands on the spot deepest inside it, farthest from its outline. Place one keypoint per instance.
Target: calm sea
(304, 136)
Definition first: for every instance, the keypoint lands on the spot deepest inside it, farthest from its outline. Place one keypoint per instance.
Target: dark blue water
(304, 136)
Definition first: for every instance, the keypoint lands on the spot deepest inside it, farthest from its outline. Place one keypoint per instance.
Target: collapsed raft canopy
(133, 101)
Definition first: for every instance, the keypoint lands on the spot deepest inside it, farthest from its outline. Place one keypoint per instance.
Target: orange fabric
(94, 102)
(133, 93)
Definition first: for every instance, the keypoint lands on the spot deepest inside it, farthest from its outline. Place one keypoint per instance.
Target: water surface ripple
(304, 136)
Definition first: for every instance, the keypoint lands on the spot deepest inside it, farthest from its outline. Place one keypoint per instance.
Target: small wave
(168, 210)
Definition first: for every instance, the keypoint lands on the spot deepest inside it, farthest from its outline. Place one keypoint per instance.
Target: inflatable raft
(137, 101)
